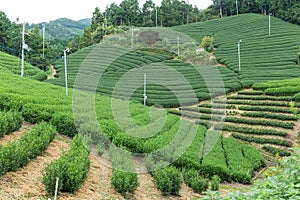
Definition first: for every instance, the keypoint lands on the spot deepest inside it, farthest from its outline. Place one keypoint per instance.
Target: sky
(36, 11)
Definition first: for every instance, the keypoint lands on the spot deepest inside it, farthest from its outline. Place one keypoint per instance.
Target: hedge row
(283, 91)
(240, 120)
(193, 179)
(203, 110)
(10, 121)
(216, 105)
(267, 98)
(17, 154)
(260, 140)
(248, 130)
(241, 169)
(282, 117)
(168, 180)
(251, 92)
(71, 169)
(274, 151)
(124, 178)
(258, 103)
(266, 109)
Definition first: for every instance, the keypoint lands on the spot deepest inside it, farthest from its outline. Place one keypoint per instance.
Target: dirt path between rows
(15, 135)
(25, 183)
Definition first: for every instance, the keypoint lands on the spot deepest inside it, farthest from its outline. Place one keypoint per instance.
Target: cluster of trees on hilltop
(288, 10)
(169, 13)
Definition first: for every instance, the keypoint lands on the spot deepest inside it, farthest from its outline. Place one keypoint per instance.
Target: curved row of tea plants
(10, 121)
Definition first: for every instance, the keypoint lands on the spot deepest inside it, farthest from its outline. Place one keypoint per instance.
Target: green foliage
(10, 121)
(193, 179)
(207, 43)
(124, 182)
(71, 169)
(215, 183)
(168, 180)
(64, 123)
(17, 154)
(262, 140)
(274, 151)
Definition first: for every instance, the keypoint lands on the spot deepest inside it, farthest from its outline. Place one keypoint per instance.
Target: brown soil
(25, 183)
(15, 135)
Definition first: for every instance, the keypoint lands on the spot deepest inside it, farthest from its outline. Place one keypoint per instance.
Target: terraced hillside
(262, 116)
(276, 60)
(263, 57)
(184, 81)
(44, 103)
(13, 64)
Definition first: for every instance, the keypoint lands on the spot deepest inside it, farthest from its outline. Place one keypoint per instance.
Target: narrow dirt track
(15, 135)
(25, 183)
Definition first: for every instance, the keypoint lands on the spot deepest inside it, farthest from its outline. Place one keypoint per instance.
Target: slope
(263, 57)
(13, 64)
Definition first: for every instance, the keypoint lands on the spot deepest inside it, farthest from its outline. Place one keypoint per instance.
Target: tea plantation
(196, 141)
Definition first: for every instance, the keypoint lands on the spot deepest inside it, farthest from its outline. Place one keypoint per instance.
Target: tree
(147, 12)
(97, 19)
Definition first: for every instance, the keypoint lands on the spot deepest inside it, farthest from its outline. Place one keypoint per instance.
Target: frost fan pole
(23, 46)
(145, 82)
(56, 188)
(66, 75)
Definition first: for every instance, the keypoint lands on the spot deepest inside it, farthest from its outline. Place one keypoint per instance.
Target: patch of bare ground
(25, 183)
(15, 135)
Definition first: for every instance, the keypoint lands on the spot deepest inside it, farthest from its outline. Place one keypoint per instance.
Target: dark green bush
(10, 121)
(262, 140)
(168, 180)
(215, 183)
(64, 123)
(17, 154)
(274, 151)
(193, 179)
(124, 182)
(71, 169)
(34, 113)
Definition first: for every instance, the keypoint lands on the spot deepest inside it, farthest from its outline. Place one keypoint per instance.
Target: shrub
(17, 154)
(215, 183)
(10, 121)
(64, 123)
(262, 140)
(168, 180)
(274, 151)
(71, 169)
(207, 43)
(124, 182)
(193, 179)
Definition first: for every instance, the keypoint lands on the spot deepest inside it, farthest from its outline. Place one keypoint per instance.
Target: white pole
(145, 82)
(43, 40)
(156, 17)
(132, 37)
(239, 54)
(56, 188)
(178, 46)
(270, 24)
(66, 76)
(237, 8)
(103, 31)
(23, 43)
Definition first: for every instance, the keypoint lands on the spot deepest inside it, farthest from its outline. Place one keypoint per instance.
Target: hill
(13, 64)
(63, 28)
(263, 57)
(40, 102)
(276, 60)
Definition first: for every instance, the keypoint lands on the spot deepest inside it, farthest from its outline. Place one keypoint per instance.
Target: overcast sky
(35, 11)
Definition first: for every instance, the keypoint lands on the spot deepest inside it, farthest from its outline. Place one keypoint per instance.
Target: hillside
(13, 64)
(38, 101)
(263, 57)
(64, 28)
(276, 60)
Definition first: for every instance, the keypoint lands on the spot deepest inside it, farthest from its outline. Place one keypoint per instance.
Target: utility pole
(23, 46)
(178, 46)
(237, 8)
(145, 82)
(239, 54)
(66, 75)
(43, 40)
(270, 24)
(156, 22)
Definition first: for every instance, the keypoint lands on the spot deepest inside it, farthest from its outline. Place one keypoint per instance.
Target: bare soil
(15, 135)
